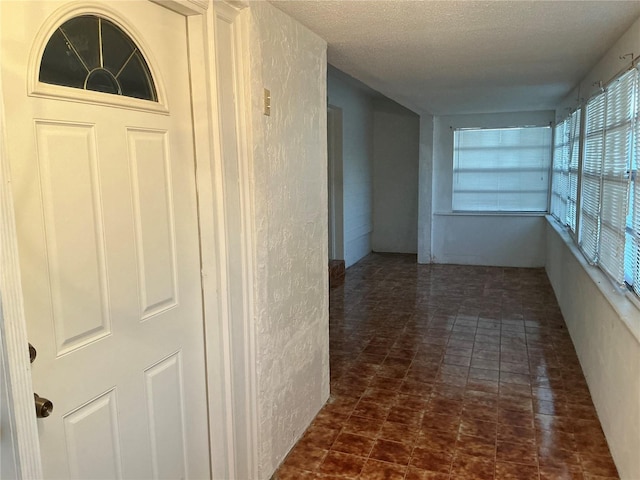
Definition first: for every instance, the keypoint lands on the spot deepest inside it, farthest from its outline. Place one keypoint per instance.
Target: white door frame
(232, 100)
(222, 385)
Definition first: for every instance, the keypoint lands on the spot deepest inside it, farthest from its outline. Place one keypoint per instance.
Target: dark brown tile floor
(450, 372)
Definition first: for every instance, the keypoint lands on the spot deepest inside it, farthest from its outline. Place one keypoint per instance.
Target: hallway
(450, 372)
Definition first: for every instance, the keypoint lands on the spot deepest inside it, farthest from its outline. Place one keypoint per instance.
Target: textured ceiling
(448, 57)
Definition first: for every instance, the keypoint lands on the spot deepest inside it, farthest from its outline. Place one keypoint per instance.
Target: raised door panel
(92, 439)
(165, 408)
(153, 206)
(74, 233)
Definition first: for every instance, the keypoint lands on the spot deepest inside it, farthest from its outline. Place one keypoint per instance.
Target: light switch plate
(267, 102)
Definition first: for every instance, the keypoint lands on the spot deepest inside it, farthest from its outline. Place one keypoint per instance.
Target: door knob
(44, 407)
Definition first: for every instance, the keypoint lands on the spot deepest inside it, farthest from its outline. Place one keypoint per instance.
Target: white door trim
(234, 199)
(13, 328)
(222, 384)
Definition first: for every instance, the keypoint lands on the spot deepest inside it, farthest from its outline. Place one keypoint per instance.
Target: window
(501, 170)
(632, 245)
(609, 213)
(560, 171)
(608, 166)
(92, 53)
(591, 176)
(566, 153)
(572, 178)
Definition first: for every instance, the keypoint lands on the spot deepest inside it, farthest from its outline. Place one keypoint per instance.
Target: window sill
(490, 214)
(625, 303)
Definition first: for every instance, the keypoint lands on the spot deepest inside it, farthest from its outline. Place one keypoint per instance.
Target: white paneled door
(104, 190)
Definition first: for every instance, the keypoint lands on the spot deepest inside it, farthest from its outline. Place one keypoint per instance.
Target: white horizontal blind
(610, 204)
(560, 171)
(615, 174)
(505, 169)
(632, 247)
(572, 175)
(591, 177)
(564, 180)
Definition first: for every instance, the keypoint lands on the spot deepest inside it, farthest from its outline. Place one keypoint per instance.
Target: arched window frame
(40, 89)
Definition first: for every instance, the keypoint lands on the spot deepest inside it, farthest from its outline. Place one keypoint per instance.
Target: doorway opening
(335, 195)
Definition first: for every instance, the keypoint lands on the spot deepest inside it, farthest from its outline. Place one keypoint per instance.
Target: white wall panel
(357, 161)
(496, 240)
(396, 142)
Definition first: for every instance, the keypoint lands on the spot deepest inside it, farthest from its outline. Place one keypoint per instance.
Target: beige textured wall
(290, 205)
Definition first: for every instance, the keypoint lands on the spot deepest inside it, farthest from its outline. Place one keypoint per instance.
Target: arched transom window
(92, 53)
